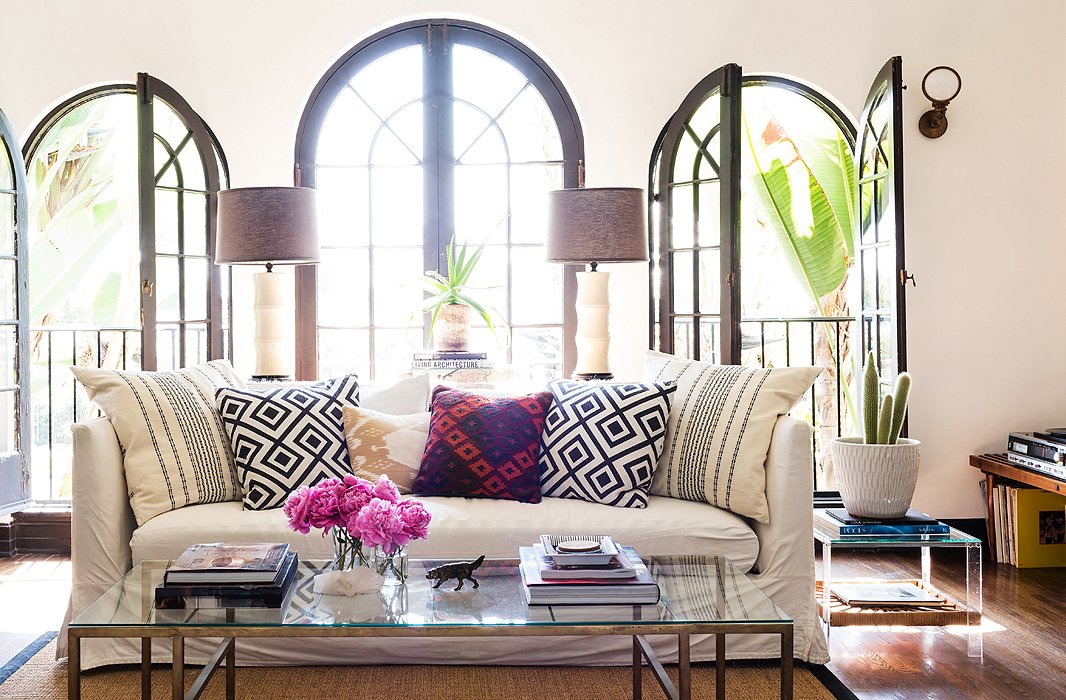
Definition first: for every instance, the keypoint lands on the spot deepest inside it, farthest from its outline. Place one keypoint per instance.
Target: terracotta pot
(452, 330)
(876, 481)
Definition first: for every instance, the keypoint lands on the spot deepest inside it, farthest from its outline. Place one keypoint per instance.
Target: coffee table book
(229, 595)
(886, 594)
(639, 590)
(913, 523)
(619, 567)
(227, 563)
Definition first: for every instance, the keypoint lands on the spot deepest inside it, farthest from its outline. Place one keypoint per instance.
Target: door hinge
(429, 38)
(904, 276)
(444, 41)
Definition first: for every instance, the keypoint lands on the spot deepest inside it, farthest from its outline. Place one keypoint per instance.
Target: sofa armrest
(789, 490)
(102, 521)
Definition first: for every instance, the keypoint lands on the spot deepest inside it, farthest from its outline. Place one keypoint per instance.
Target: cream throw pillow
(175, 450)
(380, 443)
(719, 430)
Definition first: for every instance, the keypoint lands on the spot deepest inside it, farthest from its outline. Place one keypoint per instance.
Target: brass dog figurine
(458, 570)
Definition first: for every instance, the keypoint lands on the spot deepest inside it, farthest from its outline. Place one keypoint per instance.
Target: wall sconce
(945, 86)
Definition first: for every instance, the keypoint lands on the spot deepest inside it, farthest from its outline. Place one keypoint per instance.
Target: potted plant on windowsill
(877, 473)
(450, 303)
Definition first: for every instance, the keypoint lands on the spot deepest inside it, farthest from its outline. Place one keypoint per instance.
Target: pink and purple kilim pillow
(483, 447)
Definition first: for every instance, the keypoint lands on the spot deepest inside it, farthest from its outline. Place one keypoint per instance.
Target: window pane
(686, 161)
(346, 132)
(343, 351)
(7, 175)
(538, 288)
(195, 344)
(391, 81)
(683, 337)
(477, 138)
(343, 206)
(195, 211)
(710, 156)
(886, 277)
(537, 352)
(196, 288)
(8, 421)
(530, 129)
(192, 168)
(710, 340)
(397, 293)
(167, 290)
(488, 286)
(481, 204)
(388, 150)
(682, 224)
(710, 282)
(8, 355)
(7, 224)
(166, 173)
(710, 224)
(393, 350)
(396, 207)
(683, 274)
(344, 287)
(707, 116)
(483, 79)
(168, 347)
(7, 289)
(166, 221)
(529, 209)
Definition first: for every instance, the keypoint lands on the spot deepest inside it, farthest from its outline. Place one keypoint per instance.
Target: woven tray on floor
(843, 615)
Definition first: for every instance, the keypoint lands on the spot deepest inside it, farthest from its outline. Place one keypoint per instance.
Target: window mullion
(146, 201)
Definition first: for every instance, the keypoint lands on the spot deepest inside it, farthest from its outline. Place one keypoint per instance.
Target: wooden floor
(1025, 629)
(1024, 635)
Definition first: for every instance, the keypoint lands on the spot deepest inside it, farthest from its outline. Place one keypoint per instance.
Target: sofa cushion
(380, 443)
(175, 451)
(286, 438)
(483, 447)
(719, 432)
(601, 441)
(409, 395)
(467, 527)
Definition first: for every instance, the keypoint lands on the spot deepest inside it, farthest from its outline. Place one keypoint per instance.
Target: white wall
(984, 237)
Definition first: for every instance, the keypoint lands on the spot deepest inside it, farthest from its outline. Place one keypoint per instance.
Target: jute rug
(44, 677)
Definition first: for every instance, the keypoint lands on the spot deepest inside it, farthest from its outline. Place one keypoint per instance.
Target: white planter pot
(876, 481)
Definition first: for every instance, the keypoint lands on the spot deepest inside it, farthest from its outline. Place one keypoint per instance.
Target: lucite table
(968, 611)
(700, 595)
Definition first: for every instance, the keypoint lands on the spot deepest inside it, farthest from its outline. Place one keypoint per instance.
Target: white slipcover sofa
(779, 557)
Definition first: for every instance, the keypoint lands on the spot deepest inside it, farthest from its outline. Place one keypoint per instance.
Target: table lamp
(268, 226)
(595, 225)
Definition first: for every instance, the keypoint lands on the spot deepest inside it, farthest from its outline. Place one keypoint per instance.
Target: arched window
(753, 216)
(122, 184)
(427, 132)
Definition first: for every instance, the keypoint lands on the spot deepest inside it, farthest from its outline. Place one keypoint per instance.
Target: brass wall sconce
(945, 86)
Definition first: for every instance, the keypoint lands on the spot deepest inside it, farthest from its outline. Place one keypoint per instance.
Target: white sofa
(779, 557)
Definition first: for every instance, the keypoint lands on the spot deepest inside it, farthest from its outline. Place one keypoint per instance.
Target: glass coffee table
(952, 612)
(700, 595)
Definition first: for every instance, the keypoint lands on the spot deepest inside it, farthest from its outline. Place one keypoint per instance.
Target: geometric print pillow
(601, 441)
(283, 439)
(719, 431)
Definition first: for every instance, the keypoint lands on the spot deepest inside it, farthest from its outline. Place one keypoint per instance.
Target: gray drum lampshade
(260, 225)
(596, 224)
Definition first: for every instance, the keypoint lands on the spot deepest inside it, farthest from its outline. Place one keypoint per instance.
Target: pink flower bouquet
(358, 512)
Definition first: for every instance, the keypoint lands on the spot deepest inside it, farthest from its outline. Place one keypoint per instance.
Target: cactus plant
(883, 427)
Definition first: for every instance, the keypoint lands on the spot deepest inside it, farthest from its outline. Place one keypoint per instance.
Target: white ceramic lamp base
(273, 321)
(593, 337)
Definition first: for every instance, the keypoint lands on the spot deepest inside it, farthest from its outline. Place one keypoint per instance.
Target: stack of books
(843, 524)
(887, 594)
(451, 360)
(228, 576)
(623, 580)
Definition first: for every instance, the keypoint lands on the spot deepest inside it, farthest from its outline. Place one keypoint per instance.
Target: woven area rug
(44, 677)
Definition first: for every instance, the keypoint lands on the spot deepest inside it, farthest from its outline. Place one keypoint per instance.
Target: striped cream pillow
(719, 430)
(175, 450)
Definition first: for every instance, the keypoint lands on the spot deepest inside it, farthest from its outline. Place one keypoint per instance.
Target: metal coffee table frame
(225, 654)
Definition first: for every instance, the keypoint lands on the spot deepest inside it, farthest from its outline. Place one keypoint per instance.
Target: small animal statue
(457, 569)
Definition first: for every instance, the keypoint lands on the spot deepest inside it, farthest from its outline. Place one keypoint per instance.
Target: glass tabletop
(825, 531)
(694, 589)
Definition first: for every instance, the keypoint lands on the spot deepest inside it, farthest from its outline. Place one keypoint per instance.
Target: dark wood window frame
(435, 35)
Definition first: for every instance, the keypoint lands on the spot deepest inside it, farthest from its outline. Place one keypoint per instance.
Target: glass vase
(347, 550)
(393, 567)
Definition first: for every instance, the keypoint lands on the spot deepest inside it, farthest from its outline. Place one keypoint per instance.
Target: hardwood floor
(1025, 629)
(1024, 635)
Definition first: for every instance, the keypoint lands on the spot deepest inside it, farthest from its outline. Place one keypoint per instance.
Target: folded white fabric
(348, 583)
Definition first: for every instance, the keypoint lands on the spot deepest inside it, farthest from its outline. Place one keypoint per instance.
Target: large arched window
(755, 211)
(422, 133)
(122, 183)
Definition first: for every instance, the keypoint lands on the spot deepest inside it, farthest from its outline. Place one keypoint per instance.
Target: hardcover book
(227, 563)
(235, 595)
(913, 523)
(890, 594)
(639, 590)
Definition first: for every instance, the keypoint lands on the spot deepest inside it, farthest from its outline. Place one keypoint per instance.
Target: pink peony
(379, 524)
(386, 490)
(415, 518)
(355, 495)
(296, 508)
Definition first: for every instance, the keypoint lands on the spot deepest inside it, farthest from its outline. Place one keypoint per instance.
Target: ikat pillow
(601, 442)
(483, 447)
(286, 438)
(174, 449)
(719, 431)
(381, 443)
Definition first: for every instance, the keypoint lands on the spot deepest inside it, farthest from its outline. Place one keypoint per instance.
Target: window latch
(147, 287)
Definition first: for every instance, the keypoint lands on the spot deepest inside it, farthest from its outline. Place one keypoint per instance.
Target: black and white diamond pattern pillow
(601, 441)
(286, 438)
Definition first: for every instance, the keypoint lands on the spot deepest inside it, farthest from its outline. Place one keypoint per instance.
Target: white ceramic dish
(608, 550)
